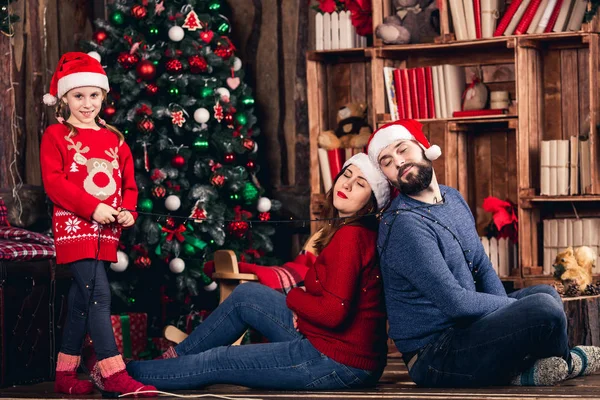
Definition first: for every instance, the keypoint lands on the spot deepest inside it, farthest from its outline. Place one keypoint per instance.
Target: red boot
(66, 376)
(112, 378)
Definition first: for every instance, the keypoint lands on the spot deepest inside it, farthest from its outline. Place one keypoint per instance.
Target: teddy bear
(415, 21)
(352, 130)
(575, 266)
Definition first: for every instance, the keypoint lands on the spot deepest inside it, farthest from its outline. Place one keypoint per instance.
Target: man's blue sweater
(435, 271)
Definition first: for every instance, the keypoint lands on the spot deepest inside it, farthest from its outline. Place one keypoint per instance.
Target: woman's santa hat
(75, 70)
(379, 185)
(403, 129)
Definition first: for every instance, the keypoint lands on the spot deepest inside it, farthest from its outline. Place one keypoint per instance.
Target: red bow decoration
(241, 214)
(504, 217)
(144, 109)
(177, 233)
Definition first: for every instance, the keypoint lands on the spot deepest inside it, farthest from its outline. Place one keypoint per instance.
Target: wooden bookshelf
(555, 79)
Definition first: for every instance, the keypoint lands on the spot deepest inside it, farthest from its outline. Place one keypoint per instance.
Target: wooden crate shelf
(505, 118)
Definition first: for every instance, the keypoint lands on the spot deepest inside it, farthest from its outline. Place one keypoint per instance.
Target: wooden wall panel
(569, 93)
(583, 85)
(552, 96)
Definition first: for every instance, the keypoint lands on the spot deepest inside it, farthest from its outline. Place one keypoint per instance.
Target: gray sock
(585, 360)
(544, 372)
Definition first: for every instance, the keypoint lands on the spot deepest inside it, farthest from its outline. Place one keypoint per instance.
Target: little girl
(87, 170)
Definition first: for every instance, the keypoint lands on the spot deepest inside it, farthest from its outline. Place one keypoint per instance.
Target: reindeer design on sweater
(99, 182)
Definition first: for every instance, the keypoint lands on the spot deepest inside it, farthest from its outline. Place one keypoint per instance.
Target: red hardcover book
(477, 12)
(553, 16)
(479, 113)
(336, 160)
(408, 108)
(422, 92)
(527, 17)
(431, 111)
(400, 100)
(414, 93)
(508, 15)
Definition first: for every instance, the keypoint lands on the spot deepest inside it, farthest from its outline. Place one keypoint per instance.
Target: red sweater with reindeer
(80, 172)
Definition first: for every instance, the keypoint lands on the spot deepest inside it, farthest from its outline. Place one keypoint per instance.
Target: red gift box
(131, 333)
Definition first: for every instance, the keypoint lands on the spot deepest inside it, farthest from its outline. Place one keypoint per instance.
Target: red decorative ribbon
(177, 233)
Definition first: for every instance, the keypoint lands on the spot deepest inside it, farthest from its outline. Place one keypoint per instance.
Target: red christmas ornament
(224, 51)
(218, 109)
(238, 229)
(143, 262)
(145, 125)
(170, 223)
(248, 144)
(229, 120)
(151, 89)
(217, 180)
(109, 111)
(138, 11)
(159, 192)
(174, 66)
(251, 165)
(264, 216)
(192, 22)
(197, 64)
(206, 36)
(178, 161)
(146, 70)
(229, 158)
(100, 36)
(177, 118)
(127, 60)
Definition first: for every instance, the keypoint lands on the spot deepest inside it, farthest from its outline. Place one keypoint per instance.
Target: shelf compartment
(340, 55)
(508, 118)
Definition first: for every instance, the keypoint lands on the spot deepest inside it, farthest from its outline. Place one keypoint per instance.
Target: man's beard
(415, 182)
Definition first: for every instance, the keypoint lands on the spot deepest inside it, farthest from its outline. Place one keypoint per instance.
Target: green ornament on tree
(241, 118)
(174, 91)
(153, 31)
(117, 17)
(145, 205)
(223, 28)
(201, 144)
(189, 250)
(250, 193)
(234, 197)
(214, 5)
(247, 100)
(206, 92)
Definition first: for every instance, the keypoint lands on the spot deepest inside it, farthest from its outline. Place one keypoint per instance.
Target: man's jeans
(499, 346)
(288, 362)
(98, 320)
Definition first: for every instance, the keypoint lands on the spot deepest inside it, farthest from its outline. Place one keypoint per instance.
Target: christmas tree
(178, 95)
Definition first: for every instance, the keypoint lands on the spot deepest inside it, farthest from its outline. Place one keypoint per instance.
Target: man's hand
(104, 214)
(125, 219)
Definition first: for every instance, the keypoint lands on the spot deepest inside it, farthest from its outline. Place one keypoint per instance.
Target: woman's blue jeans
(499, 346)
(288, 362)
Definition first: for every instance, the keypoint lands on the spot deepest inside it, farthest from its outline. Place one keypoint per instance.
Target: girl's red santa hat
(402, 129)
(379, 185)
(75, 70)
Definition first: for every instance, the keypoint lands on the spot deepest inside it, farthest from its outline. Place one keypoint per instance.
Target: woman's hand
(104, 214)
(125, 218)
(295, 319)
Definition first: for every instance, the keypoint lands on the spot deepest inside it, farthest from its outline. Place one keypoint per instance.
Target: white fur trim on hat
(433, 152)
(49, 100)
(377, 181)
(81, 79)
(384, 137)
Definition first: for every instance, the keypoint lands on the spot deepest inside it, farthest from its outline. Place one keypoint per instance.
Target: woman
(328, 335)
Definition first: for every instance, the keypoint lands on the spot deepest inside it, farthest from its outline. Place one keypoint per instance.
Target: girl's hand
(125, 218)
(295, 319)
(104, 214)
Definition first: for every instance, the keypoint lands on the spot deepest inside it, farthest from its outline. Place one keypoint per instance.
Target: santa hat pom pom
(433, 152)
(95, 55)
(49, 100)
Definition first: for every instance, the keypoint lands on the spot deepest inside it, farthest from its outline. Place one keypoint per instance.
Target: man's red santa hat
(403, 129)
(75, 70)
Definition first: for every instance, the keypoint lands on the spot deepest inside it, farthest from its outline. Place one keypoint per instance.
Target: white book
(574, 165)
(590, 235)
(319, 31)
(570, 231)
(562, 172)
(562, 234)
(578, 233)
(545, 16)
(494, 254)
(455, 86)
(442, 86)
(326, 31)
(537, 16)
(563, 16)
(470, 19)
(458, 19)
(516, 18)
(325, 171)
(545, 168)
(390, 91)
(576, 19)
(584, 166)
(503, 257)
(436, 92)
(335, 31)
(489, 13)
(547, 265)
(553, 167)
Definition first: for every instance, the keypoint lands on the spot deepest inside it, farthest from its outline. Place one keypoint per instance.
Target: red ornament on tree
(264, 216)
(229, 158)
(151, 89)
(127, 60)
(174, 66)
(178, 161)
(146, 70)
(138, 11)
(229, 120)
(159, 192)
(145, 125)
(224, 51)
(177, 118)
(170, 223)
(143, 262)
(197, 64)
(218, 111)
(217, 180)
(100, 36)
(251, 165)
(192, 22)
(206, 36)
(109, 111)
(238, 229)
(248, 144)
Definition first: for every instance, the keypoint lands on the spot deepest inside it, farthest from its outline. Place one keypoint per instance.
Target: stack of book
(474, 19)
(565, 167)
(502, 254)
(562, 233)
(331, 162)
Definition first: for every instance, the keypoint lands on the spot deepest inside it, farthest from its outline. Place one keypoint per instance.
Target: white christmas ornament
(96, 55)
(211, 286)
(224, 93)
(177, 265)
(263, 205)
(255, 148)
(176, 33)
(172, 203)
(201, 115)
(122, 262)
(237, 64)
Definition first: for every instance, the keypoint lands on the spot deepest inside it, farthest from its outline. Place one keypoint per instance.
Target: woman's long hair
(332, 220)
(62, 113)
